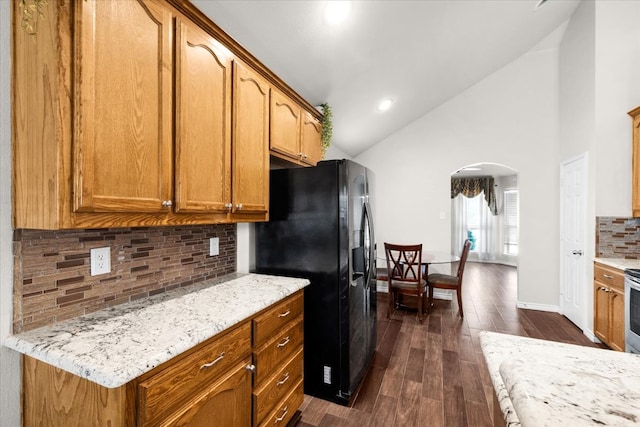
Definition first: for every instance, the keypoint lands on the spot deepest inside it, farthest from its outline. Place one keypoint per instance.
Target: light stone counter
(114, 346)
(619, 263)
(545, 383)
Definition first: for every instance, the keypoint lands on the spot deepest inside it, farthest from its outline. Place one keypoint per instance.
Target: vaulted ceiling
(418, 53)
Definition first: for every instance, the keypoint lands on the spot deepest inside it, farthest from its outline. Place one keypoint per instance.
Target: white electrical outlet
(214, 246)
(100, 261)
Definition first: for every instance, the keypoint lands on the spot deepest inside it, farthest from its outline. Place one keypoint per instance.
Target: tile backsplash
(52, 277)
(617, 237)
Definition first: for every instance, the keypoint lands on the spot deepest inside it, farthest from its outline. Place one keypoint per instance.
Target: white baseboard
(590, 336)
(541, 307)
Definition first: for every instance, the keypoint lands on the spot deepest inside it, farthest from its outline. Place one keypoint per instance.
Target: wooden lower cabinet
(224, 403)
(608, 306)
(230, 380)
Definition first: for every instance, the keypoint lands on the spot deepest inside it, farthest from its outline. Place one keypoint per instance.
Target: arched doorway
(490, 221)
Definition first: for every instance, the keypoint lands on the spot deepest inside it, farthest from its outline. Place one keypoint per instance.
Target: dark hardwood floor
(434, 374)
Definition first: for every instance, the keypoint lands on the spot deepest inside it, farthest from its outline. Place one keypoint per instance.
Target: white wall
(617, 91)
(334, 152)
(9, 360)
(578, 123)
(509, 118)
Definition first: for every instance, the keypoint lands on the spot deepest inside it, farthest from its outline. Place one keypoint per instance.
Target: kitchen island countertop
(116, 345)
(545, 383)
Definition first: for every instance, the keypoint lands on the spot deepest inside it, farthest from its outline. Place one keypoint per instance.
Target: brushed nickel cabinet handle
(283, 343)
(281, 417)
(283, 380)
(251, 368)
(213, 362)
(285, 314)
(228, 206)
(167, 203)
(239, 206)
(607, 276)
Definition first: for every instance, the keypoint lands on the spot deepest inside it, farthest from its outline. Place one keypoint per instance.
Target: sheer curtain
(473, 214)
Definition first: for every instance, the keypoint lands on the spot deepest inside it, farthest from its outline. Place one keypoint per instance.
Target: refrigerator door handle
(369, 249)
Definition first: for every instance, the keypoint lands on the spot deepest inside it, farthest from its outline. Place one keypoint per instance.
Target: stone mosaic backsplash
(617, 237)
(52, 269)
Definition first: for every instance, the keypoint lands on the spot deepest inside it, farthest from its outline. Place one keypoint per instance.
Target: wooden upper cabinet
(122, 139)
(250, 141)
(203, 121)
(311, 139)
(635, 162)
(295, 133)
(126, 113)
(285, 125)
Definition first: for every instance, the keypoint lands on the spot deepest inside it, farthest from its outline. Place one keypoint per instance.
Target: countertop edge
(618, 263)
(500, 389)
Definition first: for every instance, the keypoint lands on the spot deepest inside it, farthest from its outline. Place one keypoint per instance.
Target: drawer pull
(283, 380)
(285, 314)
(284, 414)
(213, 362)
(607, 276)
(283, 343)
(251, 368)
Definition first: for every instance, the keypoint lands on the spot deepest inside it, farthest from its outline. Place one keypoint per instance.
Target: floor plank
(433, 373)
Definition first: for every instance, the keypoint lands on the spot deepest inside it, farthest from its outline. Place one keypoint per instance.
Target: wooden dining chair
(404, 275)
(447, 281)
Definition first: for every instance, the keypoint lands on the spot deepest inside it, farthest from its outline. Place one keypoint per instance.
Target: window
(474, 205)
(510, 222)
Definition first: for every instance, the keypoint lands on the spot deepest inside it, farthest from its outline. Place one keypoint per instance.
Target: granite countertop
(619, 263)
(545, 383)
(116, 345)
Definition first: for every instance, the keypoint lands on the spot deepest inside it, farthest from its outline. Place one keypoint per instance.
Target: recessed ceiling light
(336, 11)
(385, 104)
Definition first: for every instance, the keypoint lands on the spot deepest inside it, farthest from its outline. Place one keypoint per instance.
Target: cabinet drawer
(277, 387)
(609, 276)
(272, 321)
(276, 351)
(283, 412)
(167, 389)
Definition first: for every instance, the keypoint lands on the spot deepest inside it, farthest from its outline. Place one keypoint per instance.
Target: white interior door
(573, 197)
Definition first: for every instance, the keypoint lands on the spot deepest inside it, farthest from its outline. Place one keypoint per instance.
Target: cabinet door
(285, 125)
(601, 312)
(635, 163)
(225, 403)
(311, 142)
(250, 141)
(123, 106)
(203, 121)
(616, 312)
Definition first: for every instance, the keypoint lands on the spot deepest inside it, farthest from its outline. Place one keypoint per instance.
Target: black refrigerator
(321, 228)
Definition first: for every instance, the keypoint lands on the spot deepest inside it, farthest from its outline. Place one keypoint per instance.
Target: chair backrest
(404, 262)
(463, 260)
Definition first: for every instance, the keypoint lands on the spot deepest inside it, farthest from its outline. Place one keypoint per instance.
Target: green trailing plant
(327, 127)
(32, 10)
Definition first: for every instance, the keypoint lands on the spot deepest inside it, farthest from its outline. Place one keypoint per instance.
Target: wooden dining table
(428, 258)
